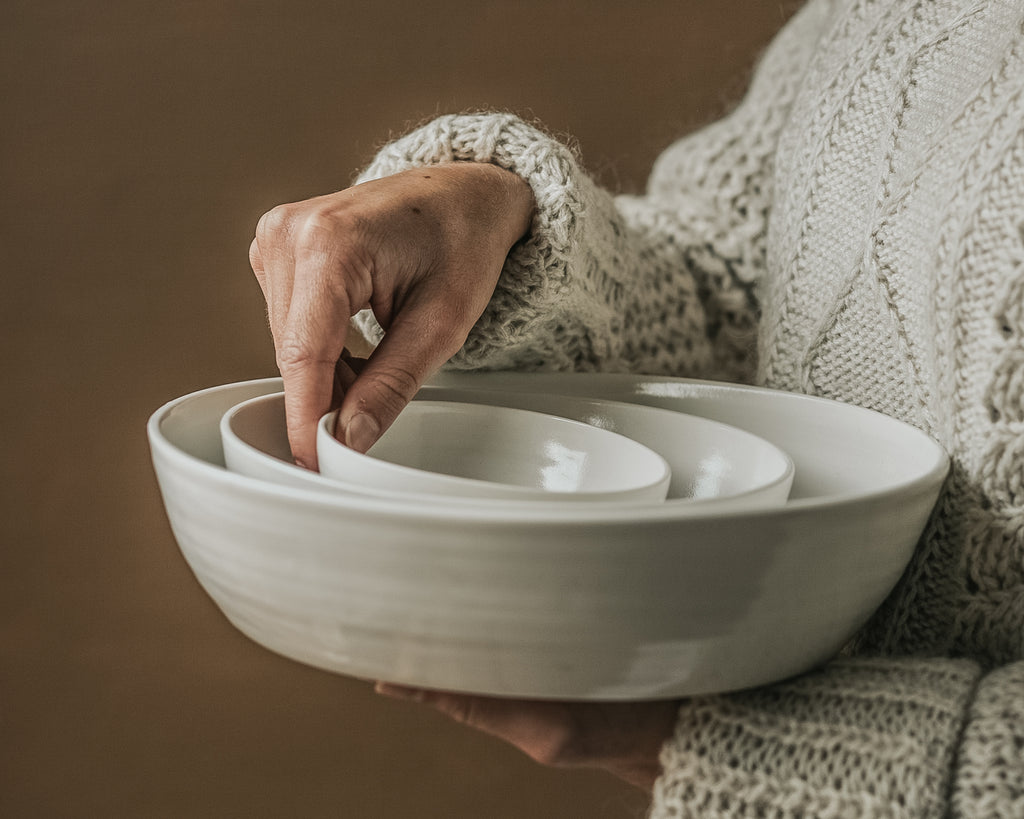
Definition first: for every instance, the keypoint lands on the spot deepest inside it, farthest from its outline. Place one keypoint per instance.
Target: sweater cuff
(858, 738)
(536, 274)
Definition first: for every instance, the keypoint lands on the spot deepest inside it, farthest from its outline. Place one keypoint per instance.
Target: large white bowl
(460, 449)
(710, 462)
(598, 602)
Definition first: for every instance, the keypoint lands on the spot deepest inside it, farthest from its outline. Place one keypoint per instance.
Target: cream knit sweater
(854, 229)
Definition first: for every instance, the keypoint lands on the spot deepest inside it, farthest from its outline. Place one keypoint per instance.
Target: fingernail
(362, 432)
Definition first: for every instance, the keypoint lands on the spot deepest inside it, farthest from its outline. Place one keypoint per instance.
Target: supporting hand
(624, 738)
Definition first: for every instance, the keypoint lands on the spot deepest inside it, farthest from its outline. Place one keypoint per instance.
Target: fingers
(415, 347)
(542, 730)
(270, 255)
(308, 272)
(424, 250)
(308, 351)
(624, 738)
(345, 373)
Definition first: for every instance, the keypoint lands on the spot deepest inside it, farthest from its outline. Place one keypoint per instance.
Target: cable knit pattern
(853, 229)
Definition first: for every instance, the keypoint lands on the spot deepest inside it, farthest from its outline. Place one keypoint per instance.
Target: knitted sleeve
(558, 299)
(662, 283)
(867, 738)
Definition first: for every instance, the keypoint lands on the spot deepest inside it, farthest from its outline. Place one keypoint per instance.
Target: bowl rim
(543, 512)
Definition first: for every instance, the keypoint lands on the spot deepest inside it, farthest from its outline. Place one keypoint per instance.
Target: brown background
(139, 143)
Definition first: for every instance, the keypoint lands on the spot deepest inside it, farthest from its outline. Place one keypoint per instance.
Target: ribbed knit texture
(864, 738)
(854, 229)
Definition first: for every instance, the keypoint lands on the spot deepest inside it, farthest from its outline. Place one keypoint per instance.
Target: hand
(624, 738)
(423, 249)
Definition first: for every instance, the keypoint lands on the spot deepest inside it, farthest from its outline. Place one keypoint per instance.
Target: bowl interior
(193, 424)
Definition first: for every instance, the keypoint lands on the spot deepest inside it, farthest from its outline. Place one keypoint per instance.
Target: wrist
(519, 202)
(500, 197)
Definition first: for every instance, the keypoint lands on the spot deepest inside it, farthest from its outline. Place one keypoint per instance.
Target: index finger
(307, 352)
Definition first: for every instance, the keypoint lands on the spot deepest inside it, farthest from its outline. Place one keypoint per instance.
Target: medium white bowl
(710, 462)
(575, 601)
(458, 449)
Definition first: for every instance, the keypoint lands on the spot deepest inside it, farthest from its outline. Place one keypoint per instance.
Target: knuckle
(323, 222)
(294, 353)
(395, 387)
(446, 329)
(460, 709)
(255, 257)
(274, 223)
(557, 749)
(337, 241)
(317, 228)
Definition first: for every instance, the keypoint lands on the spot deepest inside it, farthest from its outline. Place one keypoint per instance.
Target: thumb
(409, 354)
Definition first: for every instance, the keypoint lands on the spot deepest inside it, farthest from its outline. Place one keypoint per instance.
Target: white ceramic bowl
(459, 449)
(578, 601)
(710, 462)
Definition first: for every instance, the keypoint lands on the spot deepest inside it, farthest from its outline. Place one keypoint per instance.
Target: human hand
(423, 249)
(623, 738)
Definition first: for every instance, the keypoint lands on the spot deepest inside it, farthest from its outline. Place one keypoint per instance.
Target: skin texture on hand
(623, 738)
(423, 249)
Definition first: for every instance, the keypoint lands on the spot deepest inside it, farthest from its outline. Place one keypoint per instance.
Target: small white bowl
(465, 450)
